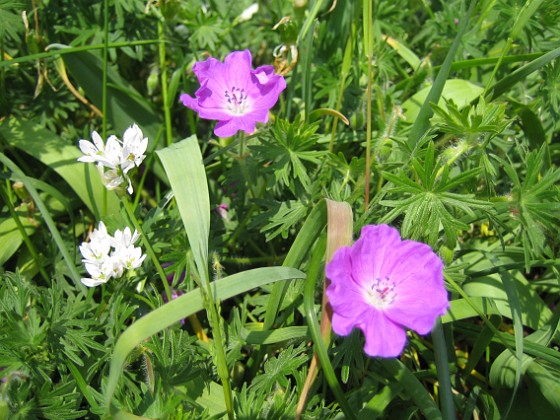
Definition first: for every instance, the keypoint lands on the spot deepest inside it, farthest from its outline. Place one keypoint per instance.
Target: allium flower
(233, 93)
(382, 285)
(248, 13)
(115, 159)
(106, 257)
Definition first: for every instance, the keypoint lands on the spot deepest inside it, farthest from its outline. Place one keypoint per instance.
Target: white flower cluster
(107, 257)
(116, 158)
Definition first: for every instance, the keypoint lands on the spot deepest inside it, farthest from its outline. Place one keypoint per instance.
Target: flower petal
(384, 338)
(421, 295)
(189, 102)
(97, 140)
(230, 127)
(92, 282)
(237, 69)
(370, 251)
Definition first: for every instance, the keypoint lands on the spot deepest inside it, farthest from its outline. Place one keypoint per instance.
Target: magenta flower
(383, 284)
(233, 93)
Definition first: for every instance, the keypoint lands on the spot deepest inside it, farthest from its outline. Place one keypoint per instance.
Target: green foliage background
(439, 118)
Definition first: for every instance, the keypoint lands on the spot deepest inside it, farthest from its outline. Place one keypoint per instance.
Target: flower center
(236, 99)
(381, 293)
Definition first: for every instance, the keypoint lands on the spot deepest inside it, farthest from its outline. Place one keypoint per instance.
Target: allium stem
(440, 353)
(104, 88)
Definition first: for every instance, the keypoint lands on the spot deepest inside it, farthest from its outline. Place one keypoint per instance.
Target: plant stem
(368, 45)
(18, 173)
(104, 86)
(212, 307)
(163, 75)
(24, 234)
(149, 250)
(440, 353)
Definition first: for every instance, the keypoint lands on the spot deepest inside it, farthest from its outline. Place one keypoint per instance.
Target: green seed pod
(153, 80)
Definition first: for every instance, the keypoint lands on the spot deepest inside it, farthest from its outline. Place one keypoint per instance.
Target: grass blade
(422, 122)
(185, 306)
(185, 169)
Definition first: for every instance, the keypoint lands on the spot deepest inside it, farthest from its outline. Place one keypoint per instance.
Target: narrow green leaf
(516, 311)
(50, 149)
(18, 173)
(411, 386)
(184, 306)
(462, 92)
(185, 170)
(422, 123)
(528, 10)
(276, 336)
(310, 231)
(11, 238)
(504, 85)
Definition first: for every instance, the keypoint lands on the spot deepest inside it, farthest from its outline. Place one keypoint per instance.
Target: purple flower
(233, 93)
(383, 284)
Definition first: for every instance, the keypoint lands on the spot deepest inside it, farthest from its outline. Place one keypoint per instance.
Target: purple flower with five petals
(382, 285)
(233, 93)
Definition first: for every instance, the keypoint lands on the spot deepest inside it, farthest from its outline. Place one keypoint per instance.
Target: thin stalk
(368, 46)
(422, 123)
(442, 367)
(212, 307)
(314, 272)
(24, 235)
(346, 62)
(163, 75)
(528, 9)
(150, 251)
(104, 85)
(51, 225)
(149, 162)
(195, 323)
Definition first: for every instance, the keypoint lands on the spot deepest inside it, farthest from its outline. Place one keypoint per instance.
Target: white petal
(98, 141)
(92, 282)
(87, 147)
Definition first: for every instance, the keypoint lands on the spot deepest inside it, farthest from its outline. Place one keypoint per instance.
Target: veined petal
(88, 148)
(97, 140)
(189, 102)
(372, 250)
(237, 69)
(206, 69)
(230, 127)
(384, 338)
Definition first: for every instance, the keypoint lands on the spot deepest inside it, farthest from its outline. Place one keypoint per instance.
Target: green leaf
(185, 170)
(185, 306)
(18, 174)
(50, 149)
(10, 236)
(125, 105)
(502, 86)
(421, 121)
(11, 23)
(259, 336)
(277, 369)
(461, 92)
(411, 386)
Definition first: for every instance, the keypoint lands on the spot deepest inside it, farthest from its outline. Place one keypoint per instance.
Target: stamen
(381, 293)
(236, 99)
